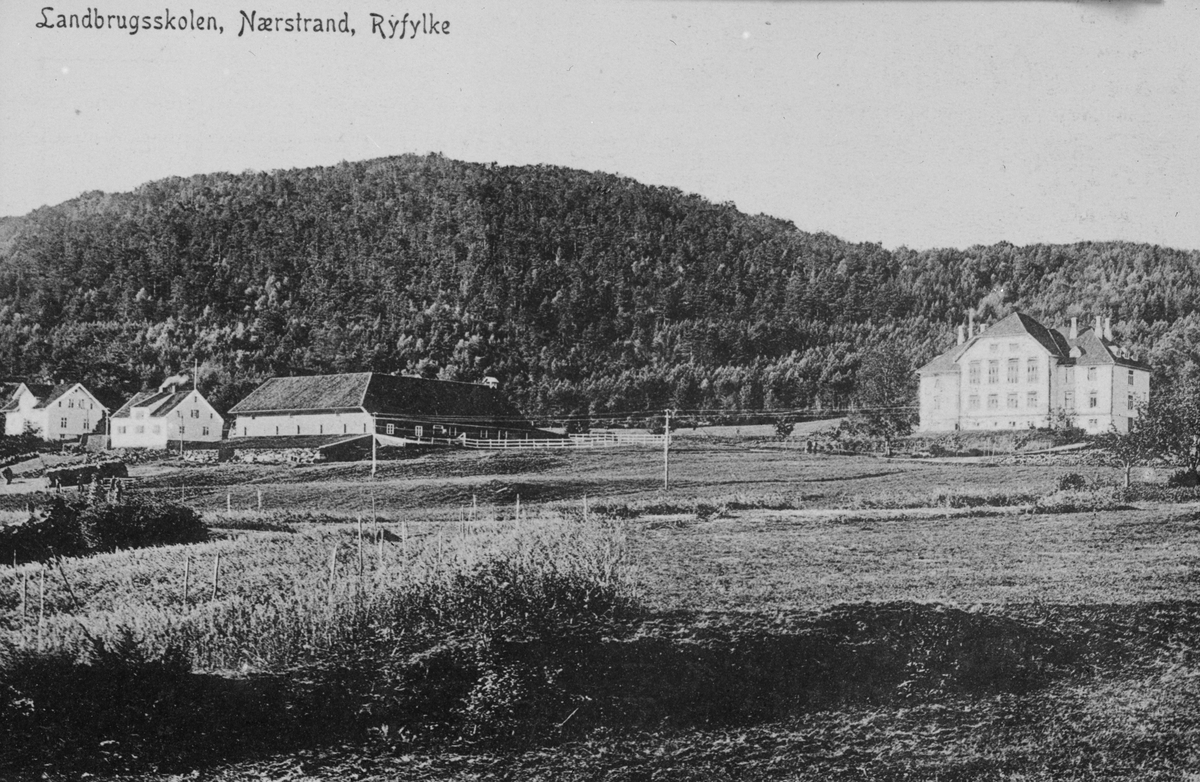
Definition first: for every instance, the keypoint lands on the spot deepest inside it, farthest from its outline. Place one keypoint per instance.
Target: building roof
(308, 393)
(1093, 348)
(158, 403)
(412, 398)
(13, 397)
(60, 390)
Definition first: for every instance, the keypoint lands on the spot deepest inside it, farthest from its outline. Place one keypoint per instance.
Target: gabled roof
(10, 393)
(413, 398)
(1094, 348)
(307, 393)
(157, 403)
(61, 390)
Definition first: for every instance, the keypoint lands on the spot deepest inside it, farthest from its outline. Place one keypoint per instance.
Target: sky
(903, 122)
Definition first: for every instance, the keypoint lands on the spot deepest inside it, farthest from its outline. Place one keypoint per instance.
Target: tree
(886, 394)
(1171, 423)
(784, 428)
(1129, 449)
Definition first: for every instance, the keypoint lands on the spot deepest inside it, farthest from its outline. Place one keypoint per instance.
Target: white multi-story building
(1020, 374)
(62, 412)
(168, 416)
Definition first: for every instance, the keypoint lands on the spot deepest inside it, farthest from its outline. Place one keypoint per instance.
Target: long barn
(407, 408)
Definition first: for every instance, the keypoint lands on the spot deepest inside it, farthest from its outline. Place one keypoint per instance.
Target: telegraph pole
(374, 432)
(666, 449)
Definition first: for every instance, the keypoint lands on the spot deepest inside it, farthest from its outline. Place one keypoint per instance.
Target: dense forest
(584, 293)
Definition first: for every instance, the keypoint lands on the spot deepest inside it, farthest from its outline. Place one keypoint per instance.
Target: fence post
(187, 580)
(216, 575)
(41, 604)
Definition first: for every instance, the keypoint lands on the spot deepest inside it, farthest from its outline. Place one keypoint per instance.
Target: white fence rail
(571, 441)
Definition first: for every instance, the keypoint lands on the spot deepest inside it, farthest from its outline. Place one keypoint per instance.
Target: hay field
(794, 617)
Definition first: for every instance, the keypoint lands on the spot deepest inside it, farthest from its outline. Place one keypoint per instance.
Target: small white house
(62, 412)
(166, 417)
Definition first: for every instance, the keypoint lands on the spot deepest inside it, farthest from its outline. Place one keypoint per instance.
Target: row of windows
(157, 429)
(71, 403)
(1012, 401)
(1012, 375)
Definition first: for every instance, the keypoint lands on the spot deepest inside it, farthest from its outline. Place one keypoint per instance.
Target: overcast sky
(908, 123)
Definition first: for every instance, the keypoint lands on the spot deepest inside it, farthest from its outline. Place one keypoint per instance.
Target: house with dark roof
(403, 409)
(61, 412)
(1020, 374)
(165, 417)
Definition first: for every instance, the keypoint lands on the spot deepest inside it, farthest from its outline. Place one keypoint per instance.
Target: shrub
(137, 522)
(1080, 500)
(74, 527)
(1182, 479)
(1072, 481)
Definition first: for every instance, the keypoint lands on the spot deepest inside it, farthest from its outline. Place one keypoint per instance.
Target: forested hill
(579, 291)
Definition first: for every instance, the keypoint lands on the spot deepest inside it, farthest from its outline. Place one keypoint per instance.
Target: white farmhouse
(62, 412)
(166, 417)
(1020, 374)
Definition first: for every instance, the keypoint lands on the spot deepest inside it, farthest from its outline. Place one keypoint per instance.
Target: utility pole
(374, 432)
(666, 449)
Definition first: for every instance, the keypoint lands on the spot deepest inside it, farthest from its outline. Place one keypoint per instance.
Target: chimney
(1099, 329)
(962, 333)
(1074, 328)
(1108, 329)
(971, 326)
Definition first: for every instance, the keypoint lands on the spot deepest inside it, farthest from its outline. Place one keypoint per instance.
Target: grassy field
(785, 616)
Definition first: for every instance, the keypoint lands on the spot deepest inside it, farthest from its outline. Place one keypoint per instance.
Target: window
(937, 405)
(937, 382)
(179, 413)
(1130, 376)
(297, 428)
(60, 403)
(277, 430)
(157, 429)
(1013, 347)
(993, 401)
(243, 431)
(993, 372)
(321, 429)
(1093, 422)
(1092, 401)
(1031, 399)
(364, 428)
(120, 430)
(343, 429)
(391, 428)
(64, 423)
(1031, 370)
(195, 414)
(139, 430)
(1070, 374)
(419, 431)
(1014, 370)
(204, 431)
(973, 373)
(1069, 400)
(182, 431)
(994, 347)
(1131, 401)
(1091, 373)
(70, 403)
(1012, 401)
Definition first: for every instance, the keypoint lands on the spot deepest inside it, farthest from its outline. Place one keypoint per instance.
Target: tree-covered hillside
(582, 292)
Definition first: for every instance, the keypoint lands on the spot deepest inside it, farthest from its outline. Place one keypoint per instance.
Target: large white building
(168, 416)
(62, 412)
(1020, 374)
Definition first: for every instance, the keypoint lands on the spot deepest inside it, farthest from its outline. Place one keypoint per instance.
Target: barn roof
(413, 398)
(307, 393)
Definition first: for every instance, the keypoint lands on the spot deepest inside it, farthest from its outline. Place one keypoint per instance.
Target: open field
(792, 617)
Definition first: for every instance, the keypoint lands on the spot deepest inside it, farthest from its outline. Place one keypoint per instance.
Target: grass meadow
(772, 615)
